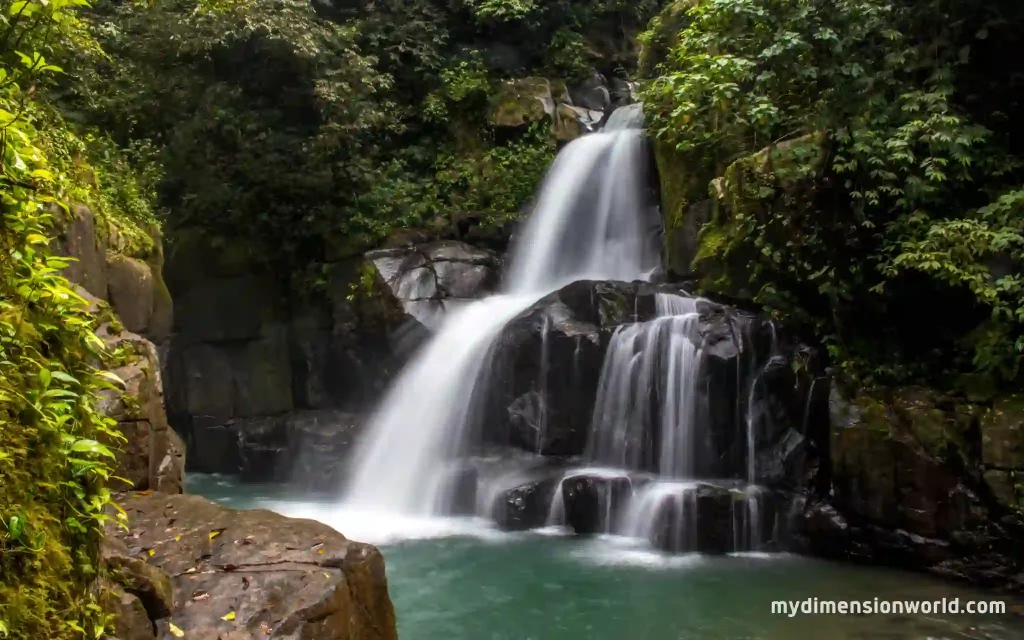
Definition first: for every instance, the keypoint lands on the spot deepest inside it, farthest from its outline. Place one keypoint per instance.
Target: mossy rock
(1002, 434)
(148, 582)
(938, 431)
(520, 102)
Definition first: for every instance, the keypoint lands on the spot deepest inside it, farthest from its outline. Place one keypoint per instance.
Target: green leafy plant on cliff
(53, 465)
(858, 171)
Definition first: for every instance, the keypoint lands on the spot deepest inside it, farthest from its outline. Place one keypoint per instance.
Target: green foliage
(877, 183)
(502, 10)
(286, 129)
(53, 467)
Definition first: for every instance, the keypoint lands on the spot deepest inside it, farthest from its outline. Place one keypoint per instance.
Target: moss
(678, 184)
(662, 35)
(938, 431)
(520, 102)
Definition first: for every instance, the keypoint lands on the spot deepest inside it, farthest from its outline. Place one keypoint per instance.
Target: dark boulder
(698, 518)
(527, 503)
(593, 503)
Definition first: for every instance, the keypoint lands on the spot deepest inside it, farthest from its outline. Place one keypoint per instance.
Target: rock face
(432, 279)
(239, 359)
(271, 392)
(922, 480)
(132, 283)
(139, 309)
(212, 572)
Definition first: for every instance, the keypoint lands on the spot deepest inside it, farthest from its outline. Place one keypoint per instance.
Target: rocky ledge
(188, 568)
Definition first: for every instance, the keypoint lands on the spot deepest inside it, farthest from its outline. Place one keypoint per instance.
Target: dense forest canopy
(313, 128)
(885, 211)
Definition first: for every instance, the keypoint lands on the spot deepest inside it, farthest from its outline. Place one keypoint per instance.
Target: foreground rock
(212, 572)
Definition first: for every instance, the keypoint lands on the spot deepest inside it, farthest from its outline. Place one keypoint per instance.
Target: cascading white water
(656, 357)
(591, 221)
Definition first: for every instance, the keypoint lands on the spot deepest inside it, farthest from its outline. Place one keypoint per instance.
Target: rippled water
(465, 581)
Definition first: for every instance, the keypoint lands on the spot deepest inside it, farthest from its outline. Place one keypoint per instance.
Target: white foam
(387, 527)
(615, 551)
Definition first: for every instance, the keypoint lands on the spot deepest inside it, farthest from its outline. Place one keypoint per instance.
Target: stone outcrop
(132, 302)
(186, 567)
(113, 270)
(429, 280)
(922, 480)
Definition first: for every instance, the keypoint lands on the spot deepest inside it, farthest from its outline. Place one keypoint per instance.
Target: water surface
(464, 581)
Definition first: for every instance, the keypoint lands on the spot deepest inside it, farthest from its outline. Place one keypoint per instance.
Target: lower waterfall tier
(678, 516)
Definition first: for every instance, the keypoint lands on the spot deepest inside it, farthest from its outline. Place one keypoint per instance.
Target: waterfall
(657, 357)
(591, 221)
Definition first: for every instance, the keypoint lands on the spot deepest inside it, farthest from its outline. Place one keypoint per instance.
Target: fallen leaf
(151, 552)
(229, 616)
(175, 631)
(319, 550)
(199, 596)
(177, 538)
(214, 534)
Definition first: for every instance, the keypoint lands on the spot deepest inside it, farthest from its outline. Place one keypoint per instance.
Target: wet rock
(593, 503)
(460, 483)
(526, 505)
(214, 447)
(319, 446)
(263, 448)
(544, 377)
(1002, 434)
(697, 519)
(280, 577)
(622, 91)
(784, 462)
